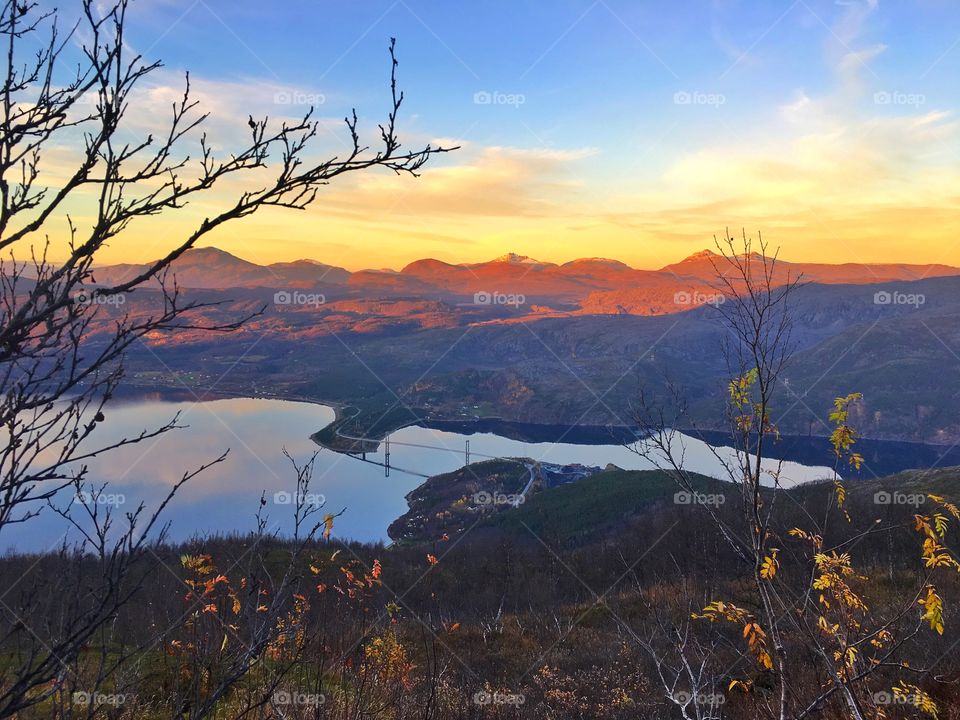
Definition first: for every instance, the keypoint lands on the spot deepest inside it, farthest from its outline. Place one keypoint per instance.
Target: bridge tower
(466, 453)
(386, 458)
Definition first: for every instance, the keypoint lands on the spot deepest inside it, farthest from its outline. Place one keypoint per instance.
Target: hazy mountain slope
(212, 268)
(705, 264)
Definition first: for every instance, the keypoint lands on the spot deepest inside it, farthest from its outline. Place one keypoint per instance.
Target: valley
(436, 355)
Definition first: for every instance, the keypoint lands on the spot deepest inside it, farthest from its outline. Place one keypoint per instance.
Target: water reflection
(225, 498)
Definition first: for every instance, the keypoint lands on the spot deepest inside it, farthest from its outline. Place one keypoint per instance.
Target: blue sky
(631, 129)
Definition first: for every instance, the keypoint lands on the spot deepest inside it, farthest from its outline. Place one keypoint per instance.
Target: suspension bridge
(387, 443)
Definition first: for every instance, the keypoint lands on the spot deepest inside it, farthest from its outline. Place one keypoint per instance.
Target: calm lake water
(225, 498)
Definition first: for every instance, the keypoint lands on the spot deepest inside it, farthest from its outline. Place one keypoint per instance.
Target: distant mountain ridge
(585, 286)
(213, 268)
(704, 264)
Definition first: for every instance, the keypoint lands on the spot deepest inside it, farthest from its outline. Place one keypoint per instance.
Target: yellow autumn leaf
(769, 566)
(933, 609)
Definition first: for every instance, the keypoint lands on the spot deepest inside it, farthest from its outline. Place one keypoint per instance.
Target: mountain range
(584, 286)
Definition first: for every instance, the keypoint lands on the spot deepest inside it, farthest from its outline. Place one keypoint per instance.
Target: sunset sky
(615, 128)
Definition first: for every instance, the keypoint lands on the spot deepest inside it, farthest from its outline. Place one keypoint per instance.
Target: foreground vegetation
(551, 610)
